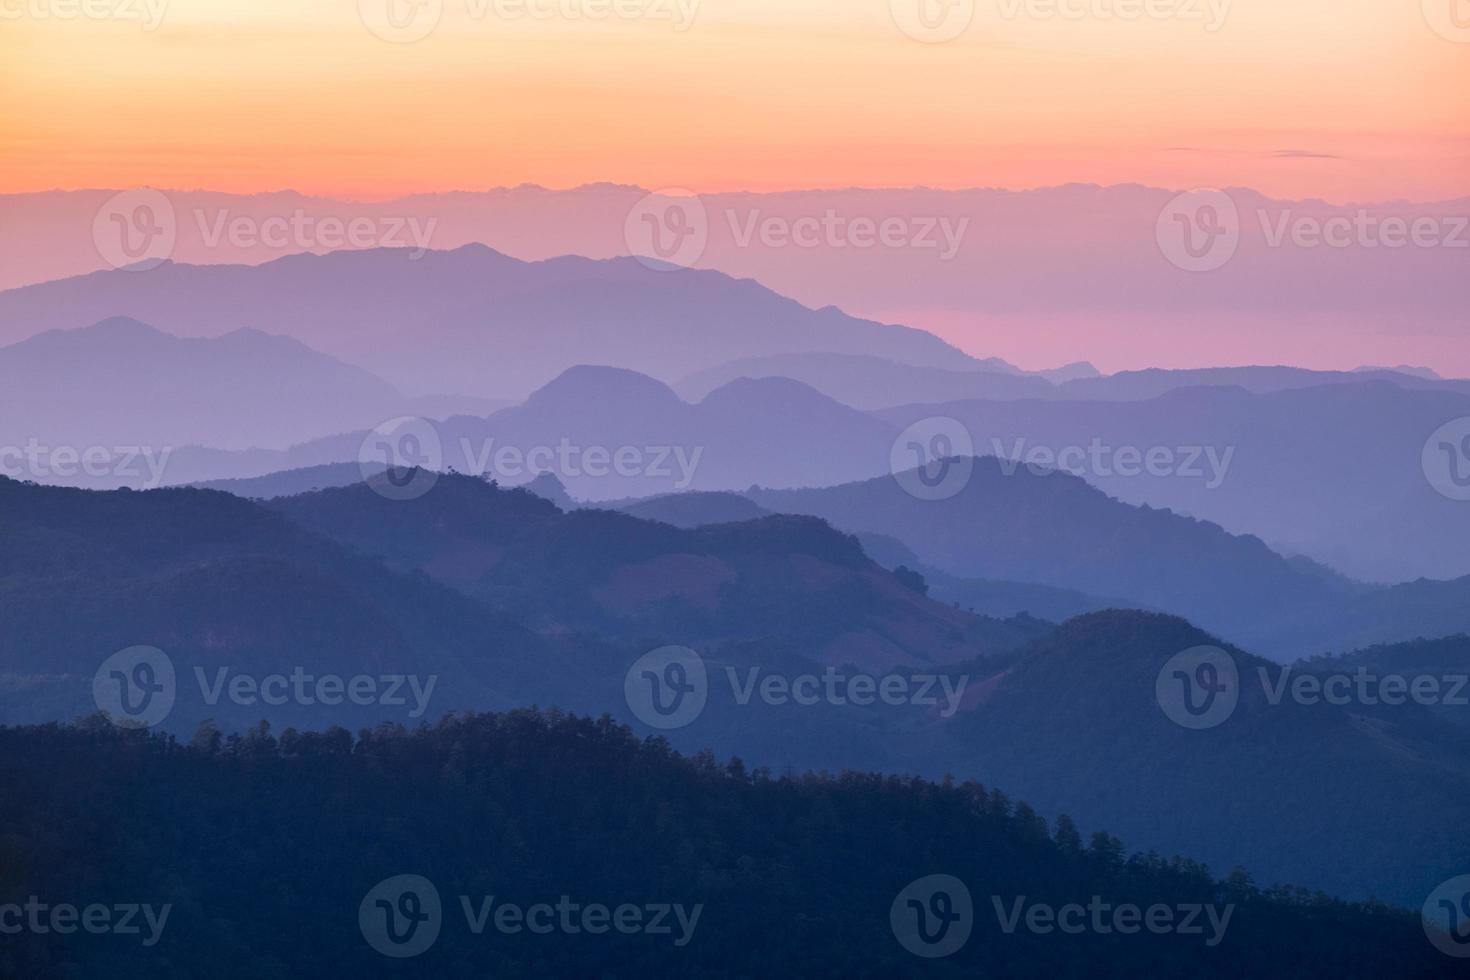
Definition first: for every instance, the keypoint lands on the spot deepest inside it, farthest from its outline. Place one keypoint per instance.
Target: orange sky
(1341, 99)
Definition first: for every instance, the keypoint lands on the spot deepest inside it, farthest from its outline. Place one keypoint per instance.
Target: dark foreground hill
(273, 858)
(1069, 720)
(1076, 726)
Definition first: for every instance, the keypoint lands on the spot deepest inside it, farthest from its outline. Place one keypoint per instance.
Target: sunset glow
(1343, 100)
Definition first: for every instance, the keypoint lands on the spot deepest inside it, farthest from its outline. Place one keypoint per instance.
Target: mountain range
(1048, 543)
(120, 383)
(1046, 276)
(472, 321)
(614, 575)
(872, 383)
(495, 593)
(1332, 470)
(1328, 465)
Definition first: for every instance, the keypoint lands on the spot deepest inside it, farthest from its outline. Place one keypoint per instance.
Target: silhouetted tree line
(265, 845)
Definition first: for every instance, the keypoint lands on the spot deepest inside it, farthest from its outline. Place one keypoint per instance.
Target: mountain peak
(115, 332)
(253, 338)
(547, 486)
(118, 326)
(590, 383)
(1428, 374)
(1071, 372)
(771, 390)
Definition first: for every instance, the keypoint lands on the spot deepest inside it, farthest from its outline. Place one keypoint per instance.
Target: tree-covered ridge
(220, 582)
(777, 576)
(265, 847)
(1075, 727)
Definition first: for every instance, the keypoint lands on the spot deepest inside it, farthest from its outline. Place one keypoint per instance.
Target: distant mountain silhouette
(1421, 372)
(1038, 276)
(122, 383)
(1068, 372)
(288, 483)
(1153, 382)
(1446, 659)
(1331, 470)
(870, 382)
(1334, 471)
(1055, 547)
(548, 487)
(774, 432)
(1425, 608)
(1054, 529)
(792, 579)
(689, 510)
(992, 598)
(472, 320)
(1446, 654)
